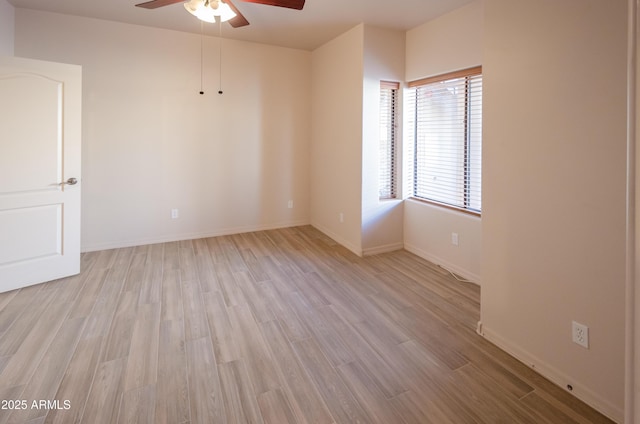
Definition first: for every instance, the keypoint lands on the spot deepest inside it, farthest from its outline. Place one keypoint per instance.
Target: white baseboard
(188, 236)
(466, 274)
(355, 249)
(554, 375)
(382, 249)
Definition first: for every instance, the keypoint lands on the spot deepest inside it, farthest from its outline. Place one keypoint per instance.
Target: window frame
(466, 174)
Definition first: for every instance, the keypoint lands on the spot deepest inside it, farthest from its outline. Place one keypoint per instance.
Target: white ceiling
(319, 21)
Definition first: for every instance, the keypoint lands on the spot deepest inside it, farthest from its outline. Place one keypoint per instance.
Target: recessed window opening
(447, 139)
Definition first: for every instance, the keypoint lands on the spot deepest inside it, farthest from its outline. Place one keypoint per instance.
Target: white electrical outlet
(454, 239)
(341, 217)
(580, 334)
(290, 204)
(175, 214)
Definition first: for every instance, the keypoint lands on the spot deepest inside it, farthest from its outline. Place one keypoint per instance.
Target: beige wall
(229, 163)
(336, 148)
(451, 42)
(383, 60)
(7, 25)
(448, 43)
(346, 74)
(428, 235)
(554, 189)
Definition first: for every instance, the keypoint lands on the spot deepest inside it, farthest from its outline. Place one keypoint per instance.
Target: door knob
(70, 181)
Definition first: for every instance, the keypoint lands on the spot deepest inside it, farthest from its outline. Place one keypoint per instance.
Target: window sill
(446, 206)
(394, 199)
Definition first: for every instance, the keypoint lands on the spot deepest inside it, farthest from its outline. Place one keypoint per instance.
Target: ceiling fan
(223, 9)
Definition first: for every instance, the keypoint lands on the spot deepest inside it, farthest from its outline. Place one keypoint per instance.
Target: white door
(40, 133)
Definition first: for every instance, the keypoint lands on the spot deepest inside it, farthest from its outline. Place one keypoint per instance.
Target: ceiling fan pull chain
(220, 56)
(201, 57)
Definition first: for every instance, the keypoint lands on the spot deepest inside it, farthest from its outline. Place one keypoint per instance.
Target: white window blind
(447, 139)
(388, 126)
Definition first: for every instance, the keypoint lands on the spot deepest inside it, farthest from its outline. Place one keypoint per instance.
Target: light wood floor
(279, 326)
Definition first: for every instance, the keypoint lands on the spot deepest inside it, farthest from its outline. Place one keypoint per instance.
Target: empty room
(290, 211)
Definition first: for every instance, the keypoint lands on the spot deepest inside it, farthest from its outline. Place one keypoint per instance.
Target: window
(388, 125)
(446, 120)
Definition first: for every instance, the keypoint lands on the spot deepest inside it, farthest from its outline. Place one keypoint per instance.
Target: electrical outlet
(341, 217)
(290, 204)
(580, 334)
(454, 239)
(175, 213)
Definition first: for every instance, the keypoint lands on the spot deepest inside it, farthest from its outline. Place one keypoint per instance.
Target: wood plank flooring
(281, 326)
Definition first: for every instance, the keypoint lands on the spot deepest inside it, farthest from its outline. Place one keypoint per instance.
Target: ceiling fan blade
(154, 4)
(239, 20)
(291, 4)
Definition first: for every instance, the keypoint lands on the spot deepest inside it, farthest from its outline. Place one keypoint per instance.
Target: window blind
(447, 137)
(388, 144)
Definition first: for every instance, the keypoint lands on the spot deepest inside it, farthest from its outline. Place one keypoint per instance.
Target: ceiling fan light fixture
(226, 13)
(201, 10)
(207, 11)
